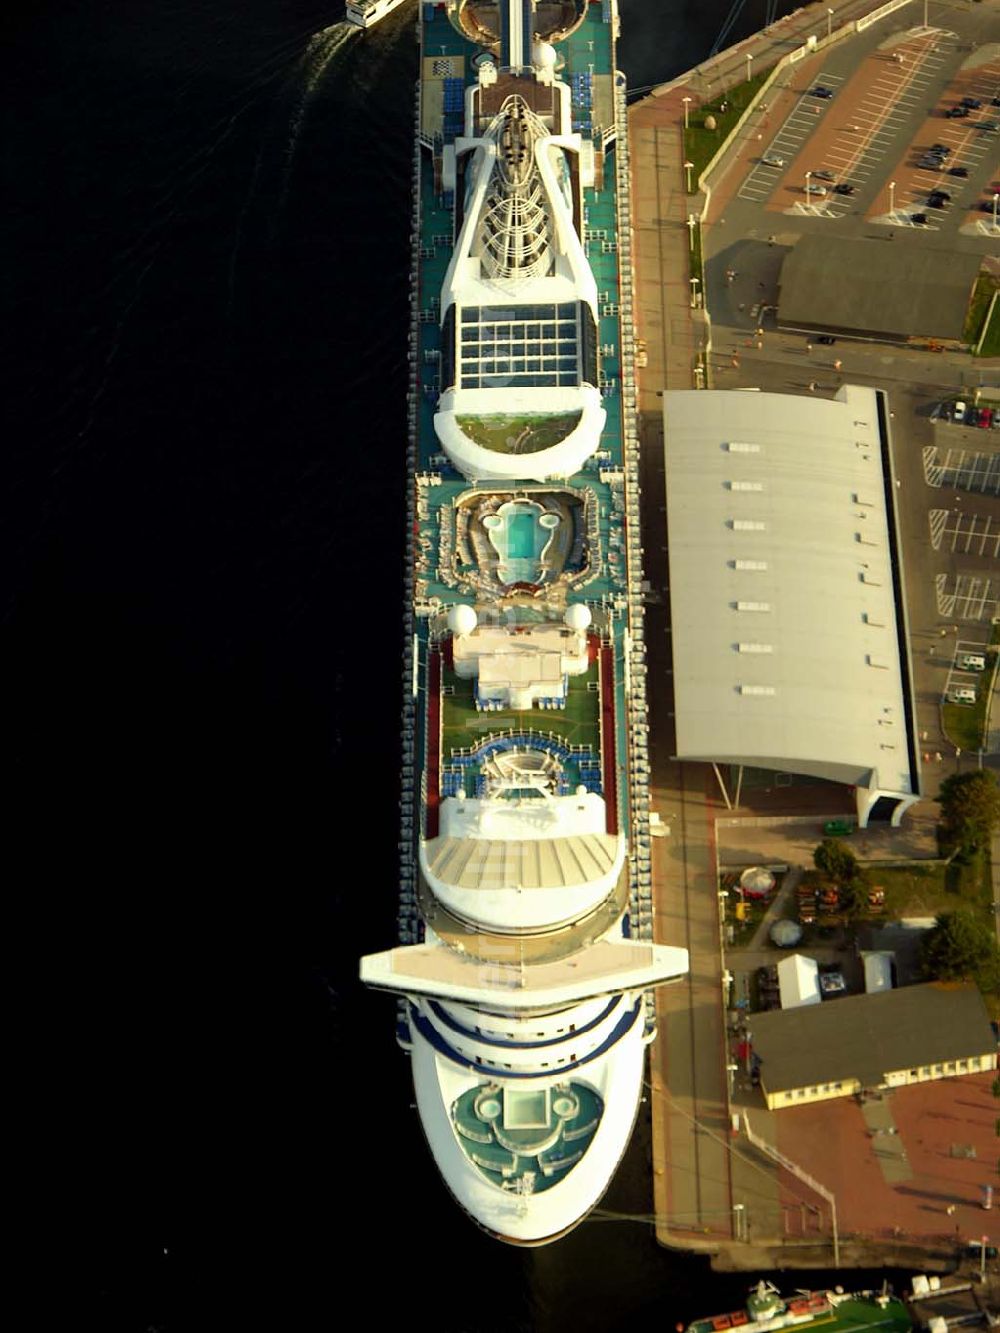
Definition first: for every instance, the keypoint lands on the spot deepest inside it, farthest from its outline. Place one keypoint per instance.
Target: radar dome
(577, 616)
(462, 620)
(543, 55)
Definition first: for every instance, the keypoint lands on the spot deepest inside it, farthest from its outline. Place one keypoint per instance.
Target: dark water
(202, 489)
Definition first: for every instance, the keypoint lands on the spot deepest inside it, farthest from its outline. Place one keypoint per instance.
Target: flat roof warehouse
(869, 289)
(787, 611)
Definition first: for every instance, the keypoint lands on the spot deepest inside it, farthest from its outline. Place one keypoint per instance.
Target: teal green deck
(464, 727)
(506, 1155)
(590, 48)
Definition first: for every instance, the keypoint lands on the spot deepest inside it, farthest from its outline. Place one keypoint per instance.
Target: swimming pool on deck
(521, 532)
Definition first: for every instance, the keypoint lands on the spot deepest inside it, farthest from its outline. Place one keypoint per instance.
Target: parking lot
(886, 133)
(974, 470)
(965, 674)
(967, 596)
(971, 534)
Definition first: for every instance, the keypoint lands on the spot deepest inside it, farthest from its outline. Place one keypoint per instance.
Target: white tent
(798, 979)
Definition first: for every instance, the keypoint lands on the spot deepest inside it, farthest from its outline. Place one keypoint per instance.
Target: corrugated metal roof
(805, 568)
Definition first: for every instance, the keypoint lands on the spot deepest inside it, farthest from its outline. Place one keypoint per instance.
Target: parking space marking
(795, 129)
(962, 470)
(937, 518)
(974, 597)
(969, 534)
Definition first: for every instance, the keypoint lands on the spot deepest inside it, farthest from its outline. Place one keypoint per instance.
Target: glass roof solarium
(531, 345)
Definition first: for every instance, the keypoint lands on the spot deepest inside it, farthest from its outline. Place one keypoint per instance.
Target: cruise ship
(526, 962)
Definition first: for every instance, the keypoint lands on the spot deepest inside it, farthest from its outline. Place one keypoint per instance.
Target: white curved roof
(529, 864)
(785, 623)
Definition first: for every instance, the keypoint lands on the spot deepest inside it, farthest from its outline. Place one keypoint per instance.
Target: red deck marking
(609, 765)
(433, 741)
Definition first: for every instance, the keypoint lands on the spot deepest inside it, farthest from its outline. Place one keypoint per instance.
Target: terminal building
(788, 618)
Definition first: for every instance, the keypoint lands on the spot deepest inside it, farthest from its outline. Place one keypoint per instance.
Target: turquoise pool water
(522, 536)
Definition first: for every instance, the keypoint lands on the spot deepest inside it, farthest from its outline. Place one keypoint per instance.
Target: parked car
(957, 112)
(986, 206)
(919, 219)
(837, 828)
(773, 160)
(941, 194)
(995, 101)
(972, 662)
(973, 103)
(815, 189)
(820, 91)
(962, 694)
(823, 176)
(941, 148)
(985, 418)
(959, 410)
(958, 171)
(988, 125)
(827, 339)
(843, 188)
(935, 202)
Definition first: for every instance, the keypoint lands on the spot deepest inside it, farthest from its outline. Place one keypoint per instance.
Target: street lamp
(694, 292)
(692, 222)
(749, 63)
(687, 103)
(689, 167)
(892, 198)
(995, 198)
(808, 188)
(829, 24)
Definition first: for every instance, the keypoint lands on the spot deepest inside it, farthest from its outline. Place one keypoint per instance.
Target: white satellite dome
(462, 619)
(543, 55)
(577, 616)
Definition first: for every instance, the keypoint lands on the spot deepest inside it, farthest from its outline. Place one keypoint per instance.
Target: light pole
(892, 198)
(694, 292)
(829, 24)
(749, 63)
(925, 13)
(808, 188)
(692, 222)
(687, 103)
(688, 167)
(995, 198)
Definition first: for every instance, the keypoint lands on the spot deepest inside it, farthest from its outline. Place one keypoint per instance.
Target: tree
(961, 946)
(970, 809)
(836, 860)
(854, 894)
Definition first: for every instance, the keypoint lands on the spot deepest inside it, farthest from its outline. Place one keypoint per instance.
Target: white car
(962, 695)
(972, 662)
(773, 160)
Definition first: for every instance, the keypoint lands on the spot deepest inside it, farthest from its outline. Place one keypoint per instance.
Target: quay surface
(712, 1191)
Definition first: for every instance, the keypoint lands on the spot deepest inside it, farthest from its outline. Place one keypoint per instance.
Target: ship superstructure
(526, 951)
